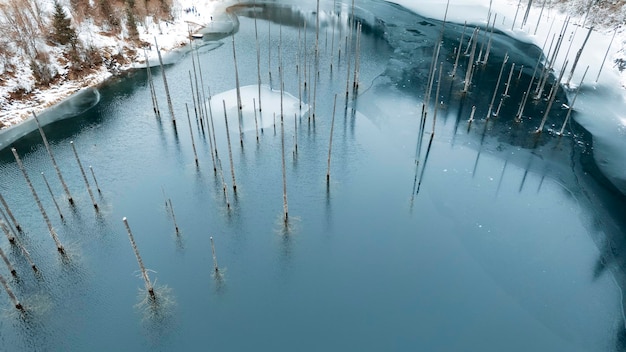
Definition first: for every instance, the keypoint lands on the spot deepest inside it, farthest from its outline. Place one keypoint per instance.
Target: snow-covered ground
(170, 36)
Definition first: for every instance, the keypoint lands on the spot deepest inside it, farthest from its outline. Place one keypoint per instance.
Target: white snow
(170, 36)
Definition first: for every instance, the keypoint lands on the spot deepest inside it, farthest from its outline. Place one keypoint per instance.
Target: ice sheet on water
(217, 29)
(601, 112)
(270, 104)
(175, 55)
(76, 104)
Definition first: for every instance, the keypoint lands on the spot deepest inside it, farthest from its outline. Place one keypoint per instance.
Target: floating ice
(270, 104)
(76, 104)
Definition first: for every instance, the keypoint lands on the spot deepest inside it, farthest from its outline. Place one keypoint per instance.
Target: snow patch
(271, 107)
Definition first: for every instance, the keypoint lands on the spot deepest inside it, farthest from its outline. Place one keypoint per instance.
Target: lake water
(514, 242)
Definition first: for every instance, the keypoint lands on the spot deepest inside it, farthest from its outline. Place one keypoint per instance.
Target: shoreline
(174, 38)
(51, 97)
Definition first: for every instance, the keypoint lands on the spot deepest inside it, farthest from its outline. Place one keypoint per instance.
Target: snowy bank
(72, 97)
(172, 37)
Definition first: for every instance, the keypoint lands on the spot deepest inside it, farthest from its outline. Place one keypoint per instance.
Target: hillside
(52, 49)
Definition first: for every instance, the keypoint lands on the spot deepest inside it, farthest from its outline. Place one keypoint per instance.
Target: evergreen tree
(107, 13)
(62, 33)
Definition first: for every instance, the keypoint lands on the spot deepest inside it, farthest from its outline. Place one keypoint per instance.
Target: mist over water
(514, 241)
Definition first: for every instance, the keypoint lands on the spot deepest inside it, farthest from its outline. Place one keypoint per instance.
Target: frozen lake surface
(499, 239)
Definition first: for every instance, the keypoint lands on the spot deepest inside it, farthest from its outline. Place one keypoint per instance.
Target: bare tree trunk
(530, 3)
(580, 51)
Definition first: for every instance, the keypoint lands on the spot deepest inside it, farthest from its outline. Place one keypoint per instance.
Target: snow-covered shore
(169, 35)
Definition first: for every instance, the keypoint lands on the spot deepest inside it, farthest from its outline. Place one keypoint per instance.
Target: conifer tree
(131, 23)
(62, 33)
(109, 16)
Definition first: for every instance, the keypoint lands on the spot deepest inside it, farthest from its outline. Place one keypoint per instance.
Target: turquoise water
(512, 243)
